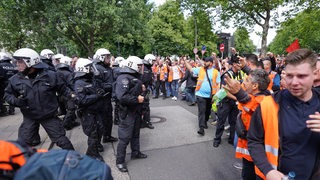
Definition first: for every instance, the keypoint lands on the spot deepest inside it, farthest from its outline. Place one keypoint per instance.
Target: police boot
(149, 125)
(93, 152)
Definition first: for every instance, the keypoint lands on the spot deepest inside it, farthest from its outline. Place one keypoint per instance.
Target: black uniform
(127, 88)
(66, 75)
(116, 73)
(147, 81)
(3, 84)
(105, 81)
(35, 95)
(9, 70)
(227, 109)
(89, 100)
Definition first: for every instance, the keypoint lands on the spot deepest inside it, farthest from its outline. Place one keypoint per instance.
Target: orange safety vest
(271, 77)
(170, 76)
(202, 75)
(163, 71)
(247, 111)
(269, 114)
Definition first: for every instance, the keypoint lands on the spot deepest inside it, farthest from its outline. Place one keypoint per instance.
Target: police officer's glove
(101, 92)
(21, 102)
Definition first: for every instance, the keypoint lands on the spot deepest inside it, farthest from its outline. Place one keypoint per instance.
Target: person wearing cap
(33, 89)
(227, 107)
(207, 85)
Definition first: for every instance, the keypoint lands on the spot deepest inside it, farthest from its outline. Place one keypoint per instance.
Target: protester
(281, 137)
(207, 85)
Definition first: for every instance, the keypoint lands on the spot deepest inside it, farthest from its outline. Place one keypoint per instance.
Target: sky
(253, 36)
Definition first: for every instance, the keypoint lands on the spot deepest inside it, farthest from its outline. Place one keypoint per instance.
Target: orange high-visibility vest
(247, 111)
(162, 70)
(271, 77)
(269, 114)
(202, 75)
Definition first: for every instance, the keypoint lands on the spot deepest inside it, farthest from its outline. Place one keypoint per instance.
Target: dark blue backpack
(63, 165)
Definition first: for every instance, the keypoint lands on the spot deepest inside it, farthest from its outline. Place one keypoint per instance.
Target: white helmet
(29, 56)
(82, 67)
(118, 60)
(100, 54)
(47, 53)
(65, 60)
(4, 57)
(149, 58)
(133, 63)
(58, 56)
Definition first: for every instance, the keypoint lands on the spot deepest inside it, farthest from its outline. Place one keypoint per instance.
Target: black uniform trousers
(92, 127)
(227, 108)
(29, 129)
(107, 117)
(70, 117)
(128, 131)
(204, 111)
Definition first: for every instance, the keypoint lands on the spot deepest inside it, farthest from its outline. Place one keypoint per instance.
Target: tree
(167, 27)
(262, 13)
(243, 43)
(198, 9)
(75, 25)
(305, 27)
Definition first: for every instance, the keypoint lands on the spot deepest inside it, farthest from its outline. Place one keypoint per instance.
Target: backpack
(63, 164)
(13, 155)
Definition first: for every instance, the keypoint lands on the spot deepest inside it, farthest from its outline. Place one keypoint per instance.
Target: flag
(293, 46)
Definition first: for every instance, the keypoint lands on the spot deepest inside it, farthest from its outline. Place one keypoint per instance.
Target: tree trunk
(265, 30)
(195, 31)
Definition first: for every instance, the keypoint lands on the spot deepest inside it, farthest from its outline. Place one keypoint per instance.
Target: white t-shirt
(175, 72)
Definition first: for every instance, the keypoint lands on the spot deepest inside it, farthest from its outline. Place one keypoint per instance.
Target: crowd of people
(271, 105)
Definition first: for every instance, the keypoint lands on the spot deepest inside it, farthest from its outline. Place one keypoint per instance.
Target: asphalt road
(175, 150)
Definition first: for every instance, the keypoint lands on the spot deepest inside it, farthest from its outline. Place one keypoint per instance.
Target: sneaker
(227, 127)
(237, 165)
(173, 98)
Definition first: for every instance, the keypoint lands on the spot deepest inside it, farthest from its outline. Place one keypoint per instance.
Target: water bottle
(222, 93)
(291, 175)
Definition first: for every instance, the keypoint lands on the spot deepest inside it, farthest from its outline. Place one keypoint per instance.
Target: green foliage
(305, 27)
(243, 43)
(167, 28)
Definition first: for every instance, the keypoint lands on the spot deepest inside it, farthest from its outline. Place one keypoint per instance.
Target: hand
(233, 86)
(274, 175)
(242, 62)
(21, 102)
(101, 92)
(144, 87)
(140, 99)
(314, 123)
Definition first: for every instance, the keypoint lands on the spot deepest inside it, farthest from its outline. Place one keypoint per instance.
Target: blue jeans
(175, 87)
(168, 89)
(190, 93)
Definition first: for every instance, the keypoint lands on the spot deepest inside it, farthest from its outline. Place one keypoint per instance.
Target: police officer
(46, 56)
(105, 81)
(10, 70)
(89, 99)
(66, 75)
(33, 89)
(147, 82)
(128, 89)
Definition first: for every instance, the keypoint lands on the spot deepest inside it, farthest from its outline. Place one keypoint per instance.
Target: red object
(221, 47)
(293, 46)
